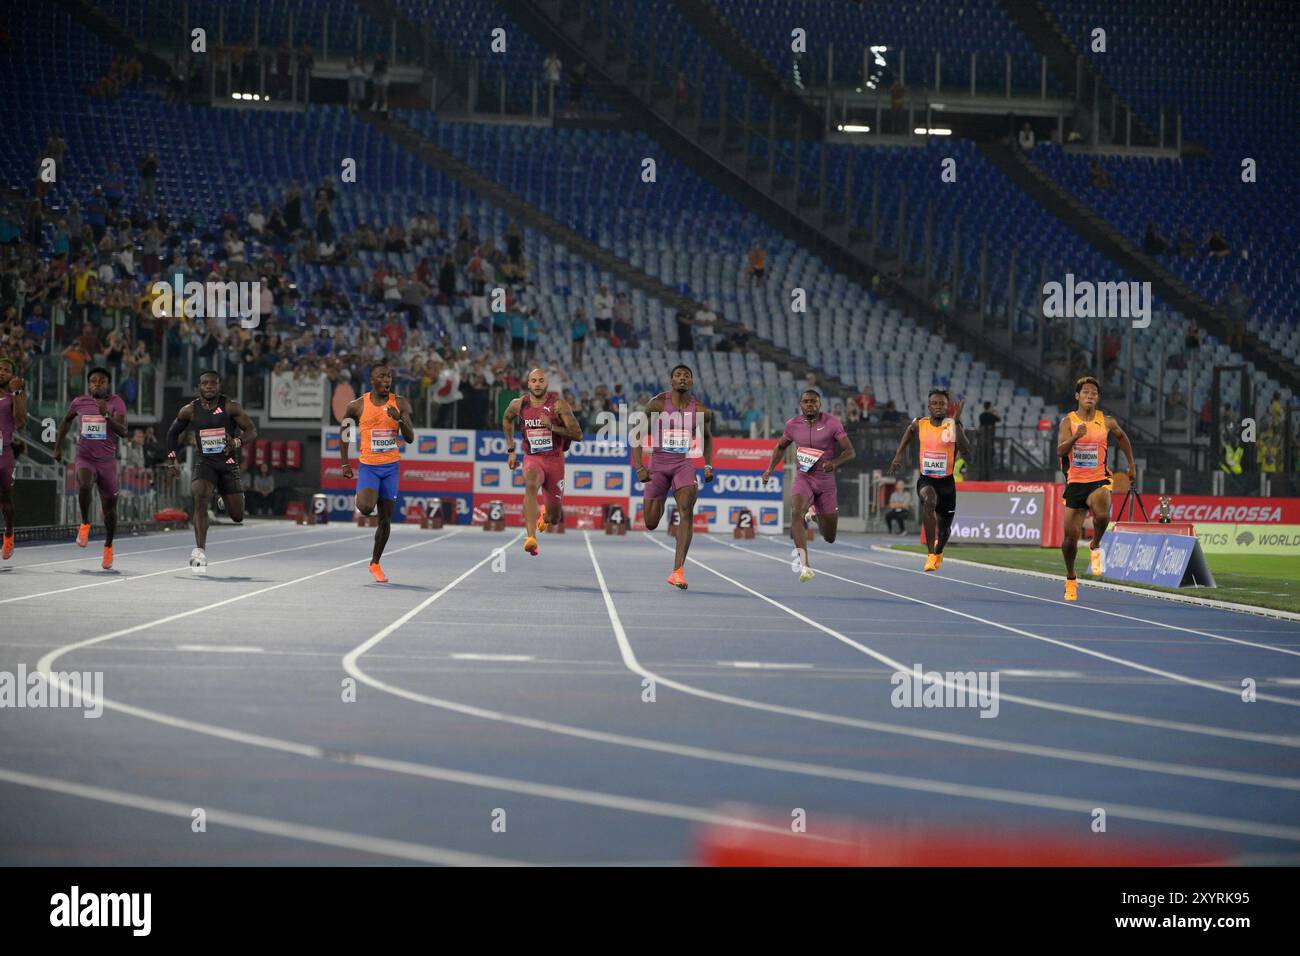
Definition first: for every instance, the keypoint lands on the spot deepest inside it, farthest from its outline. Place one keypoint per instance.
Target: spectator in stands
(148, 169)
(603, 311)
(414, 294)
(552, 70)
(1216, 245)
(578, 82)
(356, 83)
(379, 80)
(866, 400)
(1175, 402)
(706, 321)
(56, 149)
(989, 420)
(263, 496)
(579, 336)
(624, 328)
(1026, 137)
(324, 220)
(757, 263)
(752, 418)
(514, 242)
(1192, 338)
(394, 239)
(1186, 244)
(1154, 244)
(1238, 305)
(1111, 345)
(900, 509)
(256, 220)
(685, 331)
(518, 331)
(891, 415)
(531, 336)
(896, 94)
(76, 358)
(1098, 176)
(392, 334)
(852, 413)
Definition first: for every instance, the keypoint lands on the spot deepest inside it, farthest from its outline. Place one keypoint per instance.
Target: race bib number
(807, 458)
(94, 427)
(539, 439)
(676, 440)
(383, 439)
(934, 464)
(1084, 456)
(212, 441)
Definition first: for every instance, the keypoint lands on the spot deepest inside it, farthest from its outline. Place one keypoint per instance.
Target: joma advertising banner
(470, 467)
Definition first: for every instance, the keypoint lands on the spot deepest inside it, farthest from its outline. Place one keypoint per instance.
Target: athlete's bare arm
(963, 443)
(1065, 439)
(653, 407)
(402, 416)
(846, 454)
(508, 426)
(708, 444)
(182, 422)
(63, 434)
(777, 454)
(902, 446)
(19, 406)
(351, 413)
(248, 431)
(569, 426)
(1121, 437)
(115, 422)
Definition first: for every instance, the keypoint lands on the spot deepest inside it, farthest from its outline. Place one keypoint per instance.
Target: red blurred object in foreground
(847, 844)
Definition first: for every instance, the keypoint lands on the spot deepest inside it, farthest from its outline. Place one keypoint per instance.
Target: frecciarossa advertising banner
(469, 468)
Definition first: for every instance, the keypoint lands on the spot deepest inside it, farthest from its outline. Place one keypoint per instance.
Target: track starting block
(744, 525)
(433, 517)
(495, 519)
(615, 520)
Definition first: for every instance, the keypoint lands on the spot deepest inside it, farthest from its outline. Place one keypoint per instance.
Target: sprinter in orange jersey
(380, 416)
(1081, 444)
(938, 439)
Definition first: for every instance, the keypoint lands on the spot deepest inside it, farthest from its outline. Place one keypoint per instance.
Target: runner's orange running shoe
(678, 579)
(931, 562)
(542, 524)
(1097, 563)
(8, 551)
(1071, 589)
(83, 536)
(378, 572)
(108, 558)
(530, 545)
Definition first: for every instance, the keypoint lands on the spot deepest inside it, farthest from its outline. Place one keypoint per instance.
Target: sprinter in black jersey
(216, 420)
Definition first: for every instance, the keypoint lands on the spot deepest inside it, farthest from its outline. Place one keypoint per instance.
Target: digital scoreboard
(1006, 512)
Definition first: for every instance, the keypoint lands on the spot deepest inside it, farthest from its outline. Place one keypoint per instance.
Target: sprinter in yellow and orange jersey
(938, 439)
(1082, 443)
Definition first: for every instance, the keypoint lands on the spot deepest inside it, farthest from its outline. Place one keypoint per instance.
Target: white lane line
(88, 554)
(593, 798)
(1229, 689)
(154, 574)
(1018, 672)
(763, 665)
(49, 658)
(493, 657)
(1281, 740)
(219, 648)
(397, 849)
(1103, 585)
(1285, 681)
